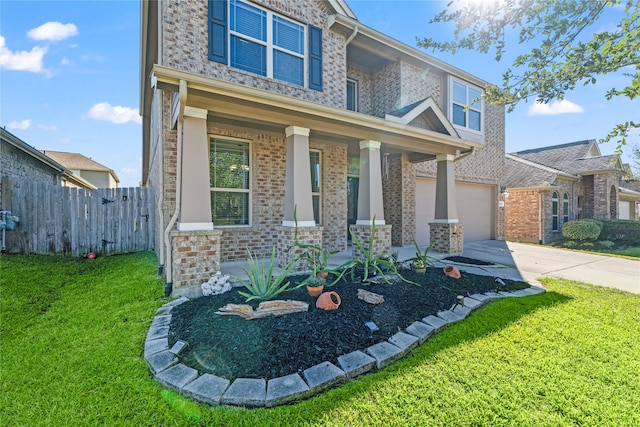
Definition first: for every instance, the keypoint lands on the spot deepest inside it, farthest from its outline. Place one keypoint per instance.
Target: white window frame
(236, 190)
(356, 93)
(467, 86)
(318, 193)
(270, 47)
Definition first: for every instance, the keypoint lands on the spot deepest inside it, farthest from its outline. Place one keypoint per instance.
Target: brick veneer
(446, 238)
(196, 257)
(381, 244)
(286, 249)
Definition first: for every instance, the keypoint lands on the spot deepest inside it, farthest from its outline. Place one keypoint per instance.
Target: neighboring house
(98, 175)
(20, 161)
(629, 198)
(258, 115)
(549, 186)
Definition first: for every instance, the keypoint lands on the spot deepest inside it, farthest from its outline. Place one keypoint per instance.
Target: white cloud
(129, 170)
(48, 127)
(23, 60)
(21, 125)
(53, 31)
(554, 108)
(114, 114)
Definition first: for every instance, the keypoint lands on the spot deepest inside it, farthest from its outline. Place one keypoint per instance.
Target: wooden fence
(72, 221)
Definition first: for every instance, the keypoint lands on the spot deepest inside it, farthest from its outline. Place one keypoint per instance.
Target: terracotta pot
(314, 291)
(451, 271)
(329, 301)
(419, 269)
(322, 274)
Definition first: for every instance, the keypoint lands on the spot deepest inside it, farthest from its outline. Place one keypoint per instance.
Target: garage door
(623, 210)
(475, 209)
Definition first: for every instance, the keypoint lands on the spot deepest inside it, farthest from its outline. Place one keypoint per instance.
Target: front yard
(72, 332)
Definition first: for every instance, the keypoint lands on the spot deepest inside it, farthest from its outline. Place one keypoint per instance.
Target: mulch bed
(465, 260)
(232, 347)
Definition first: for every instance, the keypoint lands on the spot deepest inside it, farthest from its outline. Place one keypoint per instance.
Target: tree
(563, 53)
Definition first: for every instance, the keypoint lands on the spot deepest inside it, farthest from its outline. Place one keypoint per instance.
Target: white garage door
(623, 210)
(475, 209)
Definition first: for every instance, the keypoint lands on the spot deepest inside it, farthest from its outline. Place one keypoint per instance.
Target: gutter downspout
(465, 154)
(352, 36)
(167, 241)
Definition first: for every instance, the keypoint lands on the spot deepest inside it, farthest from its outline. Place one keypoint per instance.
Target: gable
(424, 114)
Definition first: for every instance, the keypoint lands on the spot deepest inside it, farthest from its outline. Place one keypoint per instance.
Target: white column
(370, 203)
(297, 194)
(195, 206)
(446, 211)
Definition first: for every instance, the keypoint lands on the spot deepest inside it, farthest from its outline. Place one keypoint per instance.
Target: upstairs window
(462, 96)
(352, 95)
(229, 173)
(265, 43)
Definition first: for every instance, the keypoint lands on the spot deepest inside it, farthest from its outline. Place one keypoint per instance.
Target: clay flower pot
(329, 301)
(314, 291)
(451, 271)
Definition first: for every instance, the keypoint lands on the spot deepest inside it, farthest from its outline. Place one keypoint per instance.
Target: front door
(352, 202)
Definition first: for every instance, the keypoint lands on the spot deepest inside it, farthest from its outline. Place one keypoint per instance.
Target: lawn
(72, 332)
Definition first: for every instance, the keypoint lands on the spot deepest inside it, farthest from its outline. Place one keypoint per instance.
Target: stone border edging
(255, 392)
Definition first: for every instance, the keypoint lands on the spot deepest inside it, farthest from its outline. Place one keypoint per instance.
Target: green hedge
(582, 229)
(621, 230)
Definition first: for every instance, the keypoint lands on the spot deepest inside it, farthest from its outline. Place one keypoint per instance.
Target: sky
(69, 79)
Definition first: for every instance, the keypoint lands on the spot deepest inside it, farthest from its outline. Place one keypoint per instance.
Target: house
(549, 186)
(19, 160)
(260, 115)
(98, 175)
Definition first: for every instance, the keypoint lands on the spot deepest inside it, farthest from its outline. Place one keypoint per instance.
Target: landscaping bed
(232, 347)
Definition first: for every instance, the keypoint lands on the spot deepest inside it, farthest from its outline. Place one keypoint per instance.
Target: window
(565, 208)
(229, 173)
(554, 211)
(352, 95)
(315, 159)
(250, 38)
(462, 95)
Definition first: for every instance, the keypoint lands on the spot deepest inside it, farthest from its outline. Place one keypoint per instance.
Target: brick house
(552, 185)
(255, 109)
(20, 161)
(82, 166)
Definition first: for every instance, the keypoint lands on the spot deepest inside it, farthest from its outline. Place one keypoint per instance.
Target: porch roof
(247, 106)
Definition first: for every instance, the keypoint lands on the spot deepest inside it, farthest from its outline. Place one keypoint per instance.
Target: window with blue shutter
(250, 38)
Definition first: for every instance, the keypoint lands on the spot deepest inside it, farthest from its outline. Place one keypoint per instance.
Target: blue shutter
(315, 58)
(218, 31)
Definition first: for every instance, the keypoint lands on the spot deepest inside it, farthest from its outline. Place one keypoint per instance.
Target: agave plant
(261, 283)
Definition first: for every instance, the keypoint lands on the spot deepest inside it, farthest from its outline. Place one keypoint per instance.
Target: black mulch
(465, 260)
(232, 347)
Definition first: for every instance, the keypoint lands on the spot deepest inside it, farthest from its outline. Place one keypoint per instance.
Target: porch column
(297, 193)
(195, 206)
(445, 231)
(370, 203)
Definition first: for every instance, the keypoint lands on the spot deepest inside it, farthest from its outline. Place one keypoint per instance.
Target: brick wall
(185, 43)
(418, 83)
(605, 190)
(381, 244)
(522, 216)
(196, 257)
(447, 238)
(387, 89)
(365, 87)
(398, 189)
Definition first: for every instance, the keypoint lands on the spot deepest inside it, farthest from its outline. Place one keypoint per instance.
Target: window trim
(211, 137)
(565, 208)
(451, 102)
(318, 193)
(270, 46)
(356, 94)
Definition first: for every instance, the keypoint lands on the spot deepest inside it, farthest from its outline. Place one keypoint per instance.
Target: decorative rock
(370, 297)
(206, 388)
(266, 308)
(217, 284)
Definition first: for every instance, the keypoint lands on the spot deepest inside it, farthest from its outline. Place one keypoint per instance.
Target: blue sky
(69, 80)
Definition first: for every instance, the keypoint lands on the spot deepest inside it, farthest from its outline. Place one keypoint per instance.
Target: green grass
(72, 332)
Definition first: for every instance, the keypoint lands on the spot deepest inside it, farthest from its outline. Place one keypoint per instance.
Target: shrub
(582, 229)
(621, 230)
(607, 244)
(570, 244)
(587, 245)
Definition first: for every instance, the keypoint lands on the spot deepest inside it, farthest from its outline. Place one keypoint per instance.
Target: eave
(232, 101)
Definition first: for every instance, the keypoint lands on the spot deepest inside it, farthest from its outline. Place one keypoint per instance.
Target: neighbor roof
(521, 173)
(76, 161)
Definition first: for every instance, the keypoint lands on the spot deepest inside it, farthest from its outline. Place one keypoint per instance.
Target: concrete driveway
(535, 261)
